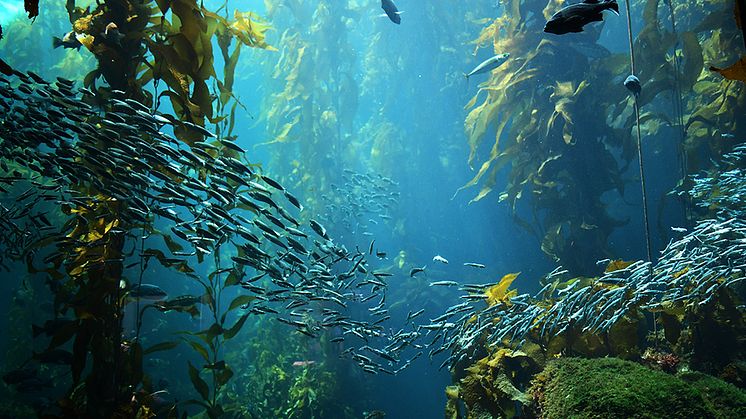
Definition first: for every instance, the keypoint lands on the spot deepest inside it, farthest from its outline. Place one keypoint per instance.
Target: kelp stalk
(639, 140)
(678, 105)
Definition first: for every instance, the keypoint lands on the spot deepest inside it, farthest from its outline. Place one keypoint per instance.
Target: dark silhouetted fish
(392, 12)
(69, 40)
(147, 292)
(572, 18)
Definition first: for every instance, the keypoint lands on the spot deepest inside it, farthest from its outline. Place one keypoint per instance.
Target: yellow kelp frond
(616, 265)
(499, 292)
(251, 30)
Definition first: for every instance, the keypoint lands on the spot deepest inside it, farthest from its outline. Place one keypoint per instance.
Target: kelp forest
(373, 209)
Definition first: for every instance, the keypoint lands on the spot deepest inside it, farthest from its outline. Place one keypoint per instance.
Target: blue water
(410, 78)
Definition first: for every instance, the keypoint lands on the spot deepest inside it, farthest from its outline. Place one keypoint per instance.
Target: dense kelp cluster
(133, 44)
(312, 95)
(292, 377)
(544, 145)
(194, 205)
(183, 217)
(172, 42)
(683, 312)
(661, 313)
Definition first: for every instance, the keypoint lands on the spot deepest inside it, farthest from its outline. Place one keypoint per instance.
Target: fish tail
(613, 6)
(56, 42)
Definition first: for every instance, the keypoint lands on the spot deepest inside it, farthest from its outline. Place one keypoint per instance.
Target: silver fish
(489, 64)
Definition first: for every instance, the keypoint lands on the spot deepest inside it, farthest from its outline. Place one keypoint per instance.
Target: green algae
(613, 388)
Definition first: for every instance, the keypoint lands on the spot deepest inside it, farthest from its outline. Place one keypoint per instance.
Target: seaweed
(169, 41)
(684, 311)
(542, 150)
(615, 389)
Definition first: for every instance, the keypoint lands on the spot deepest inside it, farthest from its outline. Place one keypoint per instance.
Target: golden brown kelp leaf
(251, 30)
(736, 71)
(499, 293)
(616, 265)
(693, 60)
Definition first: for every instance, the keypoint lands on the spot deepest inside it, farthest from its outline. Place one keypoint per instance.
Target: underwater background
(296, 209)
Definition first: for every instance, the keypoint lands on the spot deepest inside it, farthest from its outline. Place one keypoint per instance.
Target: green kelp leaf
(494, 155)
(233, 278)
(199, 384)
(199, 349)
(486, 187)
(477, 122)
(163, 346)
(241, 300)
(693, 60)
(251, 30)
(224, 375)
(172, 245)
(230, 333)
(211, 333)
(215, 412)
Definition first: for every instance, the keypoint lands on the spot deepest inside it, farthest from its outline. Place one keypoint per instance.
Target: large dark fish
(147, 292)
(69, 40)
(572, 18)
(392, 12)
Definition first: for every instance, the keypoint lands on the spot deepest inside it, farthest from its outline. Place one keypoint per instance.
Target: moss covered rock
(612, 388)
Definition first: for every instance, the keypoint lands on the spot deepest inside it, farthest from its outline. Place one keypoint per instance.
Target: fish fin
(399, 12)
(614, 7)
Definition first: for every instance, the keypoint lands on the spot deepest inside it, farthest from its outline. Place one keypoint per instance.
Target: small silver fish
(441, 259)
(489, 64)
(475, 265)
(444, 284)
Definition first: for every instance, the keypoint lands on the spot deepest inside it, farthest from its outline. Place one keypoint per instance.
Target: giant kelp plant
(660, 314)
(133, 43)
(692, 296)
(103, 160)
(194, 209)
(545, 145)
(313, 94)
(110, 185)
